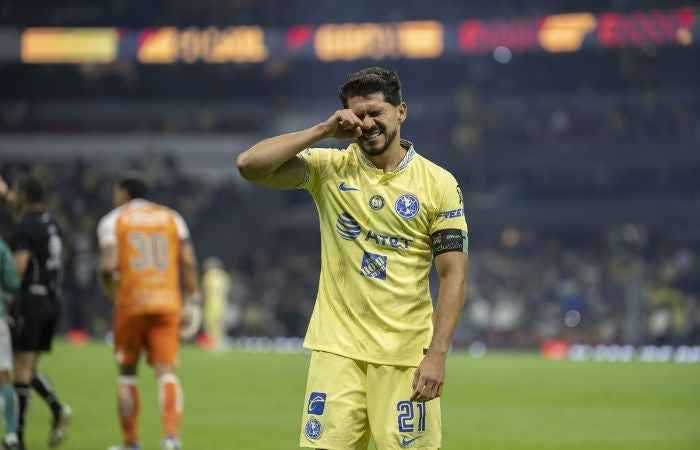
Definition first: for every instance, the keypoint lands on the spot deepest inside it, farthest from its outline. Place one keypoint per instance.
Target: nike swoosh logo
(405, 442)
(344, 188)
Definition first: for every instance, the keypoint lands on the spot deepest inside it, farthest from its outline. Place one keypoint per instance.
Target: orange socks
(171, 403)
(128, 408)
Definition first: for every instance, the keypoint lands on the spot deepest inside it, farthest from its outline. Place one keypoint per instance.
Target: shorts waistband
(38, 289)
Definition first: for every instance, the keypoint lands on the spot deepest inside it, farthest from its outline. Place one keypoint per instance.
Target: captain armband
(450, 240)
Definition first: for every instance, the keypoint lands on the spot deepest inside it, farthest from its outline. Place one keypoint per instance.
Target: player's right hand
(3, 188)
(343, 124)
(191, 318)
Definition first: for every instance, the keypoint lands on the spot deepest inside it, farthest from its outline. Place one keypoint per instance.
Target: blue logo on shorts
(407, 206)
(374, 266)
(313, 428)
(317, 403)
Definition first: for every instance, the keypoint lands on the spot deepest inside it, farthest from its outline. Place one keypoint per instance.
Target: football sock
(11, 407)
(23, 397)
(43, 387)
(128, 408)
(171, 402)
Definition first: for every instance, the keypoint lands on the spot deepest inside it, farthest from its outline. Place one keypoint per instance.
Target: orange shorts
(158, 334)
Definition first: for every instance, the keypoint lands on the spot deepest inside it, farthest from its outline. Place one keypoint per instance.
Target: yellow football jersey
(377, 247)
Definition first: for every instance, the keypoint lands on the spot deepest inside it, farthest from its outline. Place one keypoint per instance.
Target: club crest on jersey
(313, 428)
(347, 227)
(374, 266)
(317, 403)
(376, 202)
(407, 206)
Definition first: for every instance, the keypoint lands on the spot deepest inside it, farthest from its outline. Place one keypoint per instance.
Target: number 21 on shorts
(407, 420)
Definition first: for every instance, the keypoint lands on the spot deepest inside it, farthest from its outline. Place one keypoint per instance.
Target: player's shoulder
(432, 170)
(110, 217)
(328, 153)
(174, 214)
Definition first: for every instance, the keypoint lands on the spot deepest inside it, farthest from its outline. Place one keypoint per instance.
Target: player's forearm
(190, 283)
(20, 259)
(449, 307)
(106, 280)
(265, 157)
(190, 271)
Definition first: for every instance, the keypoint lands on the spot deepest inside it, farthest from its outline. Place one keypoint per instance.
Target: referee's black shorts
(35, 320)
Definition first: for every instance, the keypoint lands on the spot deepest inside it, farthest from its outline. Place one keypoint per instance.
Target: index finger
(348, 119)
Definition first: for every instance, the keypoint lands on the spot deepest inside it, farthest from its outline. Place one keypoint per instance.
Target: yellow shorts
(348, 401)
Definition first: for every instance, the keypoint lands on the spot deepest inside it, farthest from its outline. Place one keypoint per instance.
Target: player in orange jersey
(144, 252)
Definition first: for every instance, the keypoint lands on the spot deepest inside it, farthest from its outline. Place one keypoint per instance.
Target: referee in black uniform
(37, 249)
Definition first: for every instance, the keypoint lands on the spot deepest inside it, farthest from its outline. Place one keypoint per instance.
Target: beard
(373, 150)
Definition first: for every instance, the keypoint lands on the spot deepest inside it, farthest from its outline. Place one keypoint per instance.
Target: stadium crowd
(525, 286)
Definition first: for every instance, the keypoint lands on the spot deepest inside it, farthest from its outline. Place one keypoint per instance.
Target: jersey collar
(410, 153)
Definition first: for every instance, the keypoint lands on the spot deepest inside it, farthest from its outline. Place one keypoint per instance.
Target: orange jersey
(148, 239)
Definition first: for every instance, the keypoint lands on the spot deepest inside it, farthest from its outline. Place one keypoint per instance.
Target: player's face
(381, 122)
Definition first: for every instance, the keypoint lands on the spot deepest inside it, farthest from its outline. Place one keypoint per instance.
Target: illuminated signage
(211, 45)
(354, 41)
(349, 42)
(572, 32)
(565, 32)
(69, 45)
(639, 29)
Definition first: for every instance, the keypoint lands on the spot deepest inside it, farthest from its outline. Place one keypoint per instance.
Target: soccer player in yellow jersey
(378, 348)
(216, 285)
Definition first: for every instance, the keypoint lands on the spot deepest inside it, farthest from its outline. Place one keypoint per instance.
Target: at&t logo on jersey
(317, 403)
(347, 227)
(407, 206)
(313, 428)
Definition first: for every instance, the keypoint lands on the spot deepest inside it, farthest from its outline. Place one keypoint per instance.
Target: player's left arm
(108, 270)
(190, 281)
(190, 271)
(21, 260)
(429, 377)
(9, 280)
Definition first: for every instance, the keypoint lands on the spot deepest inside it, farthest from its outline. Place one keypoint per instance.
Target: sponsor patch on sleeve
(450, 240)
(459, 212)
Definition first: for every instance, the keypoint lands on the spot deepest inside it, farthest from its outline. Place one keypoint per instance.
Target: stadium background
(572, 127)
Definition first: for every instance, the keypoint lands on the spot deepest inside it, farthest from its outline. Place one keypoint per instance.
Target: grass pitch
(502, 401)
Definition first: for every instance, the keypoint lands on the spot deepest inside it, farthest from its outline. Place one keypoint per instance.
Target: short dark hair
(31, 188)
(371, 80)
(134, 184)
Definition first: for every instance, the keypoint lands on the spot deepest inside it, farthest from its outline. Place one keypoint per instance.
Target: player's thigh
(162, 339)
(335, 408)
(128, 332)
(5, 347)
(29, 319)
(396, 421)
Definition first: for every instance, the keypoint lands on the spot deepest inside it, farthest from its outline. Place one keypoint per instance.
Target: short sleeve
(182, 231)
(315, 161)
(107, 230)
(9, 281)
(20, 238)
(450, 214)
